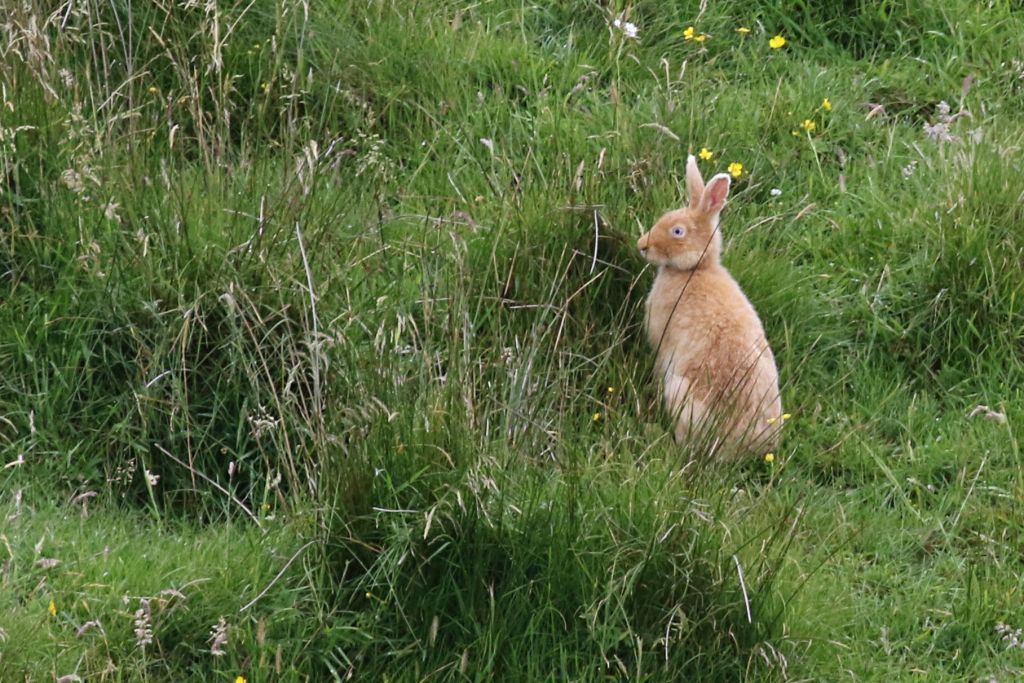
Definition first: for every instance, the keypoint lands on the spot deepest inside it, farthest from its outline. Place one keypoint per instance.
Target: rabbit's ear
(713, 197)
(694, 182)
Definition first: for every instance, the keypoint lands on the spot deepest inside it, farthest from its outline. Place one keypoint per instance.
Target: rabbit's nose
(641, 244)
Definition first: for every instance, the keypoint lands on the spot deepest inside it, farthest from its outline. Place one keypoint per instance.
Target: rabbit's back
(718, 371)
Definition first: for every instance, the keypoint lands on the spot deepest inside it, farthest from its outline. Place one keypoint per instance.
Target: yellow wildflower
(769, 458)
(688, 33)
(596, 417)
(241, 679)
(611, 390)
(52, 608)
(786, 416)
(736, 169)
(151, 90)
(743, 29)
(826, 104)
(705, 154)
(701, 38)
(776, 42)
(808, 125)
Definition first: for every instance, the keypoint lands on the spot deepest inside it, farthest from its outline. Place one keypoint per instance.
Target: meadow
(321, 353)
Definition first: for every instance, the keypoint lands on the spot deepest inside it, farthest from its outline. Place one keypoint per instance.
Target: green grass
(110, 562)
(360, 287)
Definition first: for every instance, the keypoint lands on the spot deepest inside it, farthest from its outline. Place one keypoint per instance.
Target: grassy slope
(441, 425)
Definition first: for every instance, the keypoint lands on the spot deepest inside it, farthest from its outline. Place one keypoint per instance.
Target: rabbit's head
(687, 238)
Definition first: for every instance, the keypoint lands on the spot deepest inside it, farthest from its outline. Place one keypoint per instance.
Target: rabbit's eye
(678, 231)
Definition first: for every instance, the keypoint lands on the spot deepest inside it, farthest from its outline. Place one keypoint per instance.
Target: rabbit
(721, 385)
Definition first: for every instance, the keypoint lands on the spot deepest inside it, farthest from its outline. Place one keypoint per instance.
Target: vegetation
(320, 348)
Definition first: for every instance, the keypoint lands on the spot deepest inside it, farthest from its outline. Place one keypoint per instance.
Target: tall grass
(340, 303)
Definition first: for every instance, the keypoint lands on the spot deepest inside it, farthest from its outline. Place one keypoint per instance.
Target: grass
(336, 307)
(81, 616)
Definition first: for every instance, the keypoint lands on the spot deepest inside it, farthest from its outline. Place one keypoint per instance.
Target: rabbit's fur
(720, 380)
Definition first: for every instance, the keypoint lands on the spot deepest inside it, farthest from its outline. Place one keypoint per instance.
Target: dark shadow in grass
(527, 574)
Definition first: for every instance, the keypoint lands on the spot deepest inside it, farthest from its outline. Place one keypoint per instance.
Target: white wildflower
(939, 132)
(219, 638)
(73, 180)
(110, 211)
(143, 623)
(152, 479)
(628, 28)
(775, 192)
(1013, 637)
(262, 423)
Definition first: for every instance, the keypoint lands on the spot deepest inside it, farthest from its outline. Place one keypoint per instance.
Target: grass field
(321, 357)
